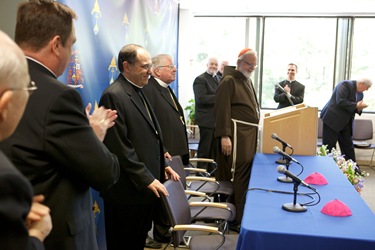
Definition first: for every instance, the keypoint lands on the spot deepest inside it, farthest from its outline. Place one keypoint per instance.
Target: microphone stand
(282, 160)
(285, 178)
(294, 207)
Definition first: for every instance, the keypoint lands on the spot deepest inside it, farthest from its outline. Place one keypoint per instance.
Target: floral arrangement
(348, 167)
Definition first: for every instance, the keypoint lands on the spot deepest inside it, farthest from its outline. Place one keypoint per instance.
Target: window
(307, 42)
(363, 55)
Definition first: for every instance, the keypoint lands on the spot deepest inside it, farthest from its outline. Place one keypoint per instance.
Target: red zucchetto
(336, 208)
(244, 51)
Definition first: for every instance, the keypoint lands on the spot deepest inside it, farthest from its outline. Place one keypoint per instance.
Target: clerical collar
(32, 59)
(290, 81)
(213, 75)
(163, 84)
(135, 85)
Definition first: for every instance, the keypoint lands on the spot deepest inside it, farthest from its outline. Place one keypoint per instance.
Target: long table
(265, 225)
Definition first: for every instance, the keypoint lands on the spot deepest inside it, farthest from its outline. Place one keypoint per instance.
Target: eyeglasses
(251, 65)
(146, 66)
(171, 66)
(31, 88)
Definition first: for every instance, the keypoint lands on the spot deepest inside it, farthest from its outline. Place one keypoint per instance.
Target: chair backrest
(362, 129)
(177, 207)
(177, 165)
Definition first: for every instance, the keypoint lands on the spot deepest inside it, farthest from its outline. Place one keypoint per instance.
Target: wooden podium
(296, 125)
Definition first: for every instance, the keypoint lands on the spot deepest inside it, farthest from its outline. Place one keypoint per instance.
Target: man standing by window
(205, 86)
(289, 92)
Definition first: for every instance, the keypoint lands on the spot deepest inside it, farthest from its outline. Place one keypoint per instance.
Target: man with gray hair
(25, 221)
(170, 116)
(339, 112)
(205, 86)
(237, 117)
(136, 139)
(57, 145)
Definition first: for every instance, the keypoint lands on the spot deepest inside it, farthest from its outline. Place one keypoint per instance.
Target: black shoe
(151, 243)
(164, 239)
(359, 172)
(236, 227)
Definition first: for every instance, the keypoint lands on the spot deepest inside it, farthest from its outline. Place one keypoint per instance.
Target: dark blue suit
(338, 115)
(15, 201)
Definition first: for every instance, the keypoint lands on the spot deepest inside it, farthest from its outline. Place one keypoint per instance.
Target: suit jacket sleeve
(345, 98)
(71, 142)
(298, 94)
(279, 95)
(118, 141)
(200, 91)
(15, 203)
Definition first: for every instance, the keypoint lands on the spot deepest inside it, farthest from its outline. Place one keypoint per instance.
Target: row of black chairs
(184, 211)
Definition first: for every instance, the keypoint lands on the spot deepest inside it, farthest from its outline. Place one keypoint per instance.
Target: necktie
(216, 78)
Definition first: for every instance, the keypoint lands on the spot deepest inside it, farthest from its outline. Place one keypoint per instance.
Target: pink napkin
(316, 179)
(336, 208)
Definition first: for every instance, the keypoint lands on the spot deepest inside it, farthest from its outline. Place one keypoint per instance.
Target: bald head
(14, 78)
(13, 65)
(212, 65)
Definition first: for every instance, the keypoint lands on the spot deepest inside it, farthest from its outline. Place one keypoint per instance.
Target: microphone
(277, 150)
(274, 136)
(282, 170)
(279, 86)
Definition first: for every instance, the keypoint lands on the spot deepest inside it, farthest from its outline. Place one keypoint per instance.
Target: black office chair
(204, 182)
(178, 209)
(362, 134)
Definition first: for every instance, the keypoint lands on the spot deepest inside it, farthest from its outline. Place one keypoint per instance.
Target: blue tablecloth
(265, 225)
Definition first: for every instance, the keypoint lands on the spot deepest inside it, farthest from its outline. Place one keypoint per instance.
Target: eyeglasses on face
(170, 66)
(31, 88)
(146, 66)
(249, 64)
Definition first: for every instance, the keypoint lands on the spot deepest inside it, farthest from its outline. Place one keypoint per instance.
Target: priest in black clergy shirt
(166, 106)
(205, 86)
(290, 92)
(171, 119)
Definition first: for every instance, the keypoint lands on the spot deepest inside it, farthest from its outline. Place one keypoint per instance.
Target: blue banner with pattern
(103, 27)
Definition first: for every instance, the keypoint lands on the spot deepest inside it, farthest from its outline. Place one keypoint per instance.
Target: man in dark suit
(205, 86)
(170, 116)
(338, 115)
(54, 145)
(166, 106)
(289, 92)
(136, 139)
(21, 228)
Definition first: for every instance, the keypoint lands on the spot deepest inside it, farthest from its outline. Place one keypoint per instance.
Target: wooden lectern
(297, 125)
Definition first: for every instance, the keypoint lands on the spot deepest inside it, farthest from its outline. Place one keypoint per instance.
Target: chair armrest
(195, 193)
(202, 228)
(200, 178)
(197, 170)
(208, 204)
(202, 160)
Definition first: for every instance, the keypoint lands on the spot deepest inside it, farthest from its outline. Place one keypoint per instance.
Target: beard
(246, 73)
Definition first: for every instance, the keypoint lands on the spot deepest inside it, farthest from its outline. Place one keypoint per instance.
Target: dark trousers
(207, 146)
(344, 137)
(161, 224)
(126, 227)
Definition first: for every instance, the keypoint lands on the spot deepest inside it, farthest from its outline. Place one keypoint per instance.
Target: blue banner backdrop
(103, 27)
